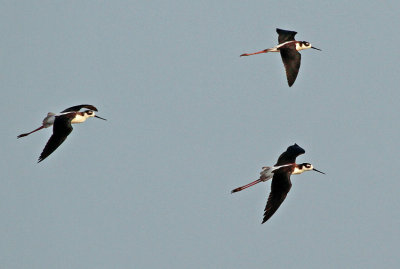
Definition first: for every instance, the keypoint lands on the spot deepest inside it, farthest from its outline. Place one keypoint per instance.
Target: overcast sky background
(188, 121)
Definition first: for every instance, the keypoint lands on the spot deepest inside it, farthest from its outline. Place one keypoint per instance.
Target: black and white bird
(62, 126)
(289, 49)
(280, 174)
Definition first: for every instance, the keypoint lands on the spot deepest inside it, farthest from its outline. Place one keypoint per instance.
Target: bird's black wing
(280, 187)
(61, 129)
(291, 59)
(290, 155)
(79, 107)
(285, 35)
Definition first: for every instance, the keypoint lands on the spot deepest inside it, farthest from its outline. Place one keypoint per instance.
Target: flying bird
(62, 126)
(280, 174)
(289, 49)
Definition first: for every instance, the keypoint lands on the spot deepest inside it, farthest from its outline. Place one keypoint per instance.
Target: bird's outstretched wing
(285, 35)
(79, 107)
(291, 59)
(290, 155)
(280, 187)
(61, 129)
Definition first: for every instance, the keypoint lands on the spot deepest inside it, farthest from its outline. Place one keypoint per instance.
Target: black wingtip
(296, 149)
(79, 107)
(283, 31)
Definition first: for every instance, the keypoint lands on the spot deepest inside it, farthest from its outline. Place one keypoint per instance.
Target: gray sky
(188, 121)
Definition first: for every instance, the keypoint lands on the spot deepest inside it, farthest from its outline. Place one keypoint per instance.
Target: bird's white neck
(79, 118)
(301, 46)
(297, 171)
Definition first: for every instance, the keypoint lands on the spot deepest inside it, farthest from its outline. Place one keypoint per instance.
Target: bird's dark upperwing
(290, 155)
(79, 107)
(280, 187)
(61, 129)
(285, 35)
(291, 60)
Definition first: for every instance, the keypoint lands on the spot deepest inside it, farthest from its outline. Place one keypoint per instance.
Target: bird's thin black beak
(99, 117)
(319, 171)
(316, 48)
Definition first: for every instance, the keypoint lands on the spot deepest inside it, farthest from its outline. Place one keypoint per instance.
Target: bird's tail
(266, 173)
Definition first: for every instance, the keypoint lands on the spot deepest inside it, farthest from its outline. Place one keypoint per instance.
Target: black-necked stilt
(62, 126)
(288, 47)
(280, 174)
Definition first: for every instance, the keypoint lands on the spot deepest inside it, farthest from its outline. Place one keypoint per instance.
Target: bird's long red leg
(22, 135)
(258, 52)
(246, 186)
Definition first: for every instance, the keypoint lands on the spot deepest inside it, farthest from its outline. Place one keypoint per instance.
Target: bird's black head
(305, 45)
(89, 112)
(309, 167)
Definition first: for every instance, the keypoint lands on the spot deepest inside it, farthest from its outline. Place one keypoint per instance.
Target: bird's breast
(297, 171)
(78, 119)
